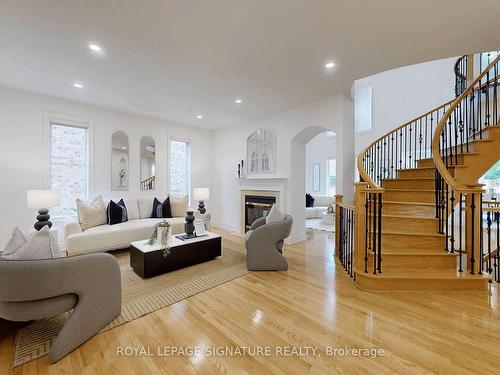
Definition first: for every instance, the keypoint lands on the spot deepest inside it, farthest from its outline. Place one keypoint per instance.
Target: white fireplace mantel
(268, 186)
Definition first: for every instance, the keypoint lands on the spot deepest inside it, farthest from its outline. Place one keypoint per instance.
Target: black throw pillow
(117, 212)
(309, 200)
(161, 210)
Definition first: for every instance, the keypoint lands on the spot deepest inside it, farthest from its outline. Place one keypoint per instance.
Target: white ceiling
(174, 59)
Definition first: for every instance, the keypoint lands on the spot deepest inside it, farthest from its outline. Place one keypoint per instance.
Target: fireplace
(257, 206)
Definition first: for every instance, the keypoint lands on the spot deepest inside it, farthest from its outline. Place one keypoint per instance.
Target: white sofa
(118, 236)
(321, 203)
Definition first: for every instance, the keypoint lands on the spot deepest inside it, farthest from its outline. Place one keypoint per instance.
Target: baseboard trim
(231, 228)
(295, 239)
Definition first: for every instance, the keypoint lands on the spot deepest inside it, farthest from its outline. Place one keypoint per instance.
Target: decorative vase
(189, 226)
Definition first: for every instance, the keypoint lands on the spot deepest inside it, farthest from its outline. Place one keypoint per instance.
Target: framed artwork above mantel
(261, 152)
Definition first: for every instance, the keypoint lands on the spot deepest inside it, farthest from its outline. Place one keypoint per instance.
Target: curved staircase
(417, 216)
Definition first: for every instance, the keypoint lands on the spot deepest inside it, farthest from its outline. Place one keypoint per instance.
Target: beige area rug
(140, 297)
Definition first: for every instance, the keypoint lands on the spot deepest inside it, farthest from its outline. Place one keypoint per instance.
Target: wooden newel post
(359, 225)
(473, 229)
(338, 199)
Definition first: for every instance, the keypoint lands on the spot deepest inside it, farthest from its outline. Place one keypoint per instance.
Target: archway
(298, 178)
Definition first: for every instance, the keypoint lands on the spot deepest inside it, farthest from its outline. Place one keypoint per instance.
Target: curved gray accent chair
(264, 243)
(90, 285)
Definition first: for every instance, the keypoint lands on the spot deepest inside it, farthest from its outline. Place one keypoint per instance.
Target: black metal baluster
(374, 234)
(452, 237)
(460, 203)
(488, 232)
(473, 211)
(367, 221)
(379, 268)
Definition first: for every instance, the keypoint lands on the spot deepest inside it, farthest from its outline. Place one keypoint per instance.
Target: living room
(249, 187)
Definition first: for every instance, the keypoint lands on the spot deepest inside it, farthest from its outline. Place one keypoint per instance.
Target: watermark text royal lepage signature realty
(243, 351)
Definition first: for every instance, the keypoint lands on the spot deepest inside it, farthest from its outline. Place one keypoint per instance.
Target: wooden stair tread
(458, 154)
(407, 217)
(409, 178)
(411, 190)
(408, 203)
(413, 234)
(426, 168)
(416, 254)
(431, 274)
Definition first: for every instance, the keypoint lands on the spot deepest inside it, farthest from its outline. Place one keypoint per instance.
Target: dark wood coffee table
(148, 260)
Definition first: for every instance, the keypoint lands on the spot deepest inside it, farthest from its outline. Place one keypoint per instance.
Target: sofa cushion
(117, 212)
(93, 214)
(179, 205)
(161, 209)
(17, 240)
(145, 207)
(323, 200)
(40, 245)
(119, 236)
(309, 200)
(132, 209)
(274, 215)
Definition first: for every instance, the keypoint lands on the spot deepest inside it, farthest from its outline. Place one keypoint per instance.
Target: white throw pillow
(18, 239)
(91, 215)
(40, 245)
(274, 215)
(145, 207)
(179, 205)
(132, 209)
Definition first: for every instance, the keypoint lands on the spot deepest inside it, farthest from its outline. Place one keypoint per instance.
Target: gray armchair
(90, 285)
(264, 243)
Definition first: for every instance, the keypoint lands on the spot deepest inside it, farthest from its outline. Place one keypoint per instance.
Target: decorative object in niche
(261, 152)
(148, 163)
(119, 161)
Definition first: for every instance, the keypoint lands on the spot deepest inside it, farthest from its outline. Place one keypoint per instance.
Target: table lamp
(42, 200)
(201, 195)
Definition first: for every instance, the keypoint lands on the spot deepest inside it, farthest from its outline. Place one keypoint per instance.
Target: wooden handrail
(346, 205)
(364, 175)
(436, 155)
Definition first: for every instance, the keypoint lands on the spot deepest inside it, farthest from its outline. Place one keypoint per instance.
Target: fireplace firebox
(256, 206)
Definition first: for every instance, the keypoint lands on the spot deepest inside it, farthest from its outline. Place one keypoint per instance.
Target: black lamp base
(43, 219)
(201, 207)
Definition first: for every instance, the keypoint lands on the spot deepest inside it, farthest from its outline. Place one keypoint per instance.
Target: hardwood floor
(313, 304)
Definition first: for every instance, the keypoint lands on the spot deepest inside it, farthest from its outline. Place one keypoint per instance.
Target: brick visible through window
(68, 166)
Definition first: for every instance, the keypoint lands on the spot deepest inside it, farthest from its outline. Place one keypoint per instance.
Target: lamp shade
(42, 198)
(201, 194)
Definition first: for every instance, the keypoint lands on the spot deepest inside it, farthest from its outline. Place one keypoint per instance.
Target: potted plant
(161, 235)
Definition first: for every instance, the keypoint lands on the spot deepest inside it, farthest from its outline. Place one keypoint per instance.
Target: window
(363, 109)
(180, 161)
(261, 152)
(332, 176)
(69, 166)
(316, 178)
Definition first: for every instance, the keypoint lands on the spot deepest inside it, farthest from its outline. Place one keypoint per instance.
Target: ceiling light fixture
(238, 101)
(95, 48)
(199, 116)
(78, 85)
(329, 65)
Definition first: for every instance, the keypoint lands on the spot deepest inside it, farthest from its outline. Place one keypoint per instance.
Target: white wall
(318, 151)
(402, 94)
(292, 133)
(24, 161)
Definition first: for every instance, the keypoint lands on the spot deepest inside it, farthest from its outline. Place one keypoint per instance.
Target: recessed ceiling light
(329, 65)
(95, 48)
(238, 101)
(124, 148)
(199, 116)
(78, 85)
